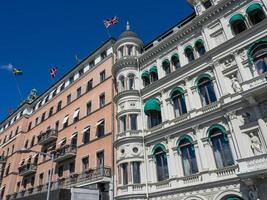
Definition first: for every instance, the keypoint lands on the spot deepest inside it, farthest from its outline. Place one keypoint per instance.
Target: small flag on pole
(109, 22)
(16, 71)
(53, 72)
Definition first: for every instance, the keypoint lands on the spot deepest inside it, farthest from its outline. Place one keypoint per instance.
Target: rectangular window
(91, 64)
(51, 111)
(18, 186)
(57, 125)
(74, 140)
(43, 117)
(86, 135)
(76, 115)
(100, 130)
(30, 126)
(36, 121)
(60, 171)
(79, 92)
(53, 94)
(89, 107)
(85, 163)
(62, 87)
(71, 79)
(66, 121)
(72, 167)
(124, 167)
(89, 85)
(133, 121)
(59, 106)
(81, 72)
(103, 54)
(102, 100)
(100, 160)
(102, 76)
(68, 99)
(136, 172)
(123, 123)
(41, 179)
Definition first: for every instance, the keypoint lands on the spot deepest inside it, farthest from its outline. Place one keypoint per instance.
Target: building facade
(72, 121)
(191, 107)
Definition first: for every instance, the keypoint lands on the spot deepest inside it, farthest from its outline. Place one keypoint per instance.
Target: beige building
(71, 120)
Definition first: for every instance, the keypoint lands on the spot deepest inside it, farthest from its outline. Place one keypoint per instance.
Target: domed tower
(128, 143)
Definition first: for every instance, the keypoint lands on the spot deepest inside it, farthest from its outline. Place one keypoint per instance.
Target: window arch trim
(162, 146)
(184, 137)
(236, 17)
(253, 7)
(202, 76)
(152, 104)
(175, 90)
(253, 46)
(221, 128)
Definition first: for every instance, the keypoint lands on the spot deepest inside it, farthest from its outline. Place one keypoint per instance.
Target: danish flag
(53, 72)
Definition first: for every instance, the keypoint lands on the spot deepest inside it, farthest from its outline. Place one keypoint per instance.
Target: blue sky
(37, 35)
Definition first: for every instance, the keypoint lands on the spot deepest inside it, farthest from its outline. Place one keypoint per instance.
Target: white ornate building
(191, 107)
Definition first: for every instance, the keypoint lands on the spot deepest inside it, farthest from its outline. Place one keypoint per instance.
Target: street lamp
(23, 150)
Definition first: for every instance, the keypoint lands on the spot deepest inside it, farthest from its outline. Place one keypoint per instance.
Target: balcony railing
(47, 136)
(253, 165)
(27, 169)
(64, 153)
(91, 175)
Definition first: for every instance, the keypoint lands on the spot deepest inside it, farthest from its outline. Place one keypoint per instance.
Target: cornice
(189, 28)
(125, 94)
(125, 62)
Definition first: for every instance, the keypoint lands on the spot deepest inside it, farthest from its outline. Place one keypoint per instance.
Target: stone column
(188, 96)
(171, 159)
(227, 30)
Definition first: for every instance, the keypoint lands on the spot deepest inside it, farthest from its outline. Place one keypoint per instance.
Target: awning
(63, 140)
(76, 113)
(165, 62)
(86, 129)
(188, 47)
(176, 91)
(253, 7)
(65, 119)
(99, 122)
(152, 104)
(199, 41)
(35, 155)
(1, 188)
(73, 135)
(175, 56)
(145, 74)
(153, 70)
(235, 18)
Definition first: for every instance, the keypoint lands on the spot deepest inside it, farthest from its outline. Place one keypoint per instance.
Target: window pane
(133, 119)
(136, 172)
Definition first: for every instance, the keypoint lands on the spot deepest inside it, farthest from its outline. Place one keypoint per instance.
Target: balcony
(64, 153)
(2, 159)
(252, 166)
(27, 169)
(47, 137)
(255, 83)
(86, 177)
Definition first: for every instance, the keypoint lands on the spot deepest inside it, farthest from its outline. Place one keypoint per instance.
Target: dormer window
(207, 4)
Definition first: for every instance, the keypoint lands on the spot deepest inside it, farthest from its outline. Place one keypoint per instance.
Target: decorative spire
(128, 27)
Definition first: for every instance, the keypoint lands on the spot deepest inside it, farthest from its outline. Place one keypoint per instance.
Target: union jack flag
(109, 22)
(53, 72)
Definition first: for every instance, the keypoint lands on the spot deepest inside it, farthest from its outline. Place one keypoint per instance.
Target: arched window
(145, 77)
(232, 197)
(257, 54)
(122, 83)
(131, 78)
(153, 111)
(206, 90)
(153, 74)
(255, 13)
(161, 163)
(200, 47)
(238, 24)
(166, 66)
(187, 151)
(220, 146)
(175, 61)
(189, 53)
(177, 97)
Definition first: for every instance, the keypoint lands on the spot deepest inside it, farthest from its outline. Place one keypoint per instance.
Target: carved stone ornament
(235, 84)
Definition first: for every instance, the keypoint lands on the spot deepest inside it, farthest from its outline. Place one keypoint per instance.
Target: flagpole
(108, 33)
(18, 87)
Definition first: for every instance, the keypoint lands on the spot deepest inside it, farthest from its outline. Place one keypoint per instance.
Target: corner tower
(128, 135)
